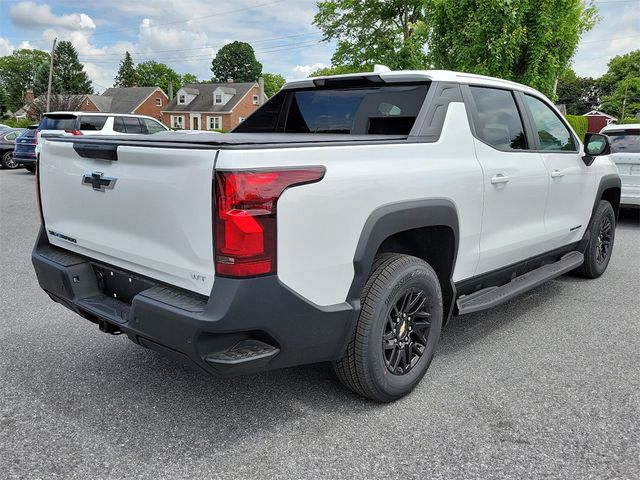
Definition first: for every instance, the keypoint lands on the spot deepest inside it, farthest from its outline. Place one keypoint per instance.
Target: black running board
(492, 296)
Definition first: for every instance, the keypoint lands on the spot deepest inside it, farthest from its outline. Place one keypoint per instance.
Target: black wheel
(397, 331)
(8, 161)
(602, 230)
(30, 168)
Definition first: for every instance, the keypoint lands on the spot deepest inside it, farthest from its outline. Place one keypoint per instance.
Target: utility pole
(53, 50)
(624, 100)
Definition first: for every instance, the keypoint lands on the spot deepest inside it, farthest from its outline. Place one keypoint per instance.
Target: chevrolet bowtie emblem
(98, 181)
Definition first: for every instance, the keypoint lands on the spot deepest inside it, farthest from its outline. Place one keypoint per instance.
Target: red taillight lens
(245, 217)
(74, 132)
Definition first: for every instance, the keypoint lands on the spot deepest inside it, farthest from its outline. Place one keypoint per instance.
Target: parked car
(625, 153)
(7, 145)
(25, 151)
(86, 123)
(345, 220)
(4, 127)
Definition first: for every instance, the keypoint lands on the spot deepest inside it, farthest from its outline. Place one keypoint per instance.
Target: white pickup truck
(346, 221)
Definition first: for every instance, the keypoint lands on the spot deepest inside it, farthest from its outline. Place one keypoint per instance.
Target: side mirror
(595, 144)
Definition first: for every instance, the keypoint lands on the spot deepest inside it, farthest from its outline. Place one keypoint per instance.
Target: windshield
(359, 110)
(624, 142)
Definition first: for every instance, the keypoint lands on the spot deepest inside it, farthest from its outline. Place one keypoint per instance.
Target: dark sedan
(7, 144)
(25, 152)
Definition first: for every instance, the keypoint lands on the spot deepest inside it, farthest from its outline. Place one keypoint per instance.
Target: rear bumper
(24, 159)
(630, 195)
(196, 329)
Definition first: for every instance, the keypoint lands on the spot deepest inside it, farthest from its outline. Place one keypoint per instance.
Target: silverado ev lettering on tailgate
(346, 220)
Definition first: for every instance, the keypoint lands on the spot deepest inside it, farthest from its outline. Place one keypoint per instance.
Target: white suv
(90, 123)
(625, 153)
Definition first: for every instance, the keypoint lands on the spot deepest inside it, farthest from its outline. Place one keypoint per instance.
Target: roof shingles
(126, 99)
(204, 101)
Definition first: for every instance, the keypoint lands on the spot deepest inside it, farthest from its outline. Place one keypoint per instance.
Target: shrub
(580, 124)
(18, 122)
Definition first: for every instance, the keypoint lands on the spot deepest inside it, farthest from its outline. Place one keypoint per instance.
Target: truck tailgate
(149, 211)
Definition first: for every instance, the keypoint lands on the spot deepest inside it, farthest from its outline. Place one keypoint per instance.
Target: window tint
(624, 142)
(153, 127)
(386, 110)
(553, 134)
(132, 125)
(118, 125)
(500, 124)
(62, 122)
(92, 123)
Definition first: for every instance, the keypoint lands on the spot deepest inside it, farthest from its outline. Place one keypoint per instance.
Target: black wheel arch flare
(397, 218)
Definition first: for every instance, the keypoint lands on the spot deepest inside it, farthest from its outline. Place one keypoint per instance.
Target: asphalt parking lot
(547, 385)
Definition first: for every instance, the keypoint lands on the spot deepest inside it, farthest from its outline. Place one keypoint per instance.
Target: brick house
(148, 101)
(212, 106)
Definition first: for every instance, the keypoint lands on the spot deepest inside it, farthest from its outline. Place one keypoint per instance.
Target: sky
(185, 34)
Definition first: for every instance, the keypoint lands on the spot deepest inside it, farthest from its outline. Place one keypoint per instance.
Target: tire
(401, 312)
(8, 161)
(30, 169)
(602, 230)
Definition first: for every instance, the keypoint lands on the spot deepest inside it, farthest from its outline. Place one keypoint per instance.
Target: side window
(132, 125)
(118, 125)
(10, 137)
(553, 134)
(500, 124)
(92, 123)
(153, 127)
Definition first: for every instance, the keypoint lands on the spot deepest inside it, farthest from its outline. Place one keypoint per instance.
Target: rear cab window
(499, 121)
(350, 108)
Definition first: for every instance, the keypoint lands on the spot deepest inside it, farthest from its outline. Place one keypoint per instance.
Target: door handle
(557, 174)
(499, 178)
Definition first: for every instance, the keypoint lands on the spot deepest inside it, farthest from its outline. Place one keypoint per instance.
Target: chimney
(29, 97)
(261, 88)
(170, 91)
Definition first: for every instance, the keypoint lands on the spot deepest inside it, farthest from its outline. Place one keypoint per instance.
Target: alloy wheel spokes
(406, 332)
(604, 240)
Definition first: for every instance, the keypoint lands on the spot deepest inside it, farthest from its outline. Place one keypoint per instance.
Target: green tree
(68, 73)
(17, 73)
(236, 61)
(579, 94)
(272, 83)
(619, 68)
(624, 101)
(188, 78)
(154, 74)
(126, 76)
(529, 41)
(340, 70)
(390, 32)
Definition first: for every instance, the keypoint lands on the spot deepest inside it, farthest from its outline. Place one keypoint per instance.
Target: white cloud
(305, 70)
(31, 15)
(618, 33)
(6, 48)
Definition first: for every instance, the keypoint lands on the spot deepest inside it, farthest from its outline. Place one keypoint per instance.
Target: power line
(273, 49)
(199, 17)
(203, 47)
(610, 39)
